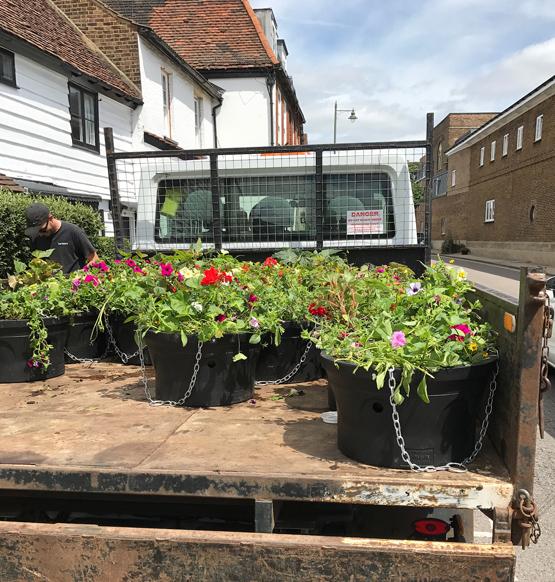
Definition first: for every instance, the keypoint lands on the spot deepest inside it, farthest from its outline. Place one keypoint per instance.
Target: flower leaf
(238, 357)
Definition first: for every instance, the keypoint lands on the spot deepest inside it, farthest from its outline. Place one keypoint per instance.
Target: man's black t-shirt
(71, 246)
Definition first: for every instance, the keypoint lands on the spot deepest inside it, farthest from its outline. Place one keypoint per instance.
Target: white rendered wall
(243, 119)
(183, 90)
(35, 133)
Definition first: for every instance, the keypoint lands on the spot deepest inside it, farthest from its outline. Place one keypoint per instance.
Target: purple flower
(254, 322)
(398, 340)
(414, 288)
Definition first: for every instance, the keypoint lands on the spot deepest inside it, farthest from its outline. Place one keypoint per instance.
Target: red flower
(220, 317)
(253, 298)
(211, 276)
(270, 262)
(317, 311)
(131, 263)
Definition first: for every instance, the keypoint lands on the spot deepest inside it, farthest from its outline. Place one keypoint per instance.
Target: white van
(268, 201)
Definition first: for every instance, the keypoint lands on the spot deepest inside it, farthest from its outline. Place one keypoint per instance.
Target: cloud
(394, 61)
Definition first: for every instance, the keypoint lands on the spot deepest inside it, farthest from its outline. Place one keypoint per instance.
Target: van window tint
(275, 208)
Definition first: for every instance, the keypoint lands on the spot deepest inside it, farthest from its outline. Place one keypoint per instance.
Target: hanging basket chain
(545, 383)
(455, 467)
(290, 375)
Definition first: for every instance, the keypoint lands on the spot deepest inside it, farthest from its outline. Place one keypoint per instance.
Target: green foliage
(14, 245)
(417, 187)
(450, 246)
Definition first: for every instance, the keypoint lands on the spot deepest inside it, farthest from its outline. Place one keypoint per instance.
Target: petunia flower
(92, 279)
(253, 298)
(180, 277)
(220, 318)
(414, 288)
(253, 322)
(380, 269)
(270, 262)
(166, 269)
(197, 306)
(398, 340)
(463, 329)
(313, 309)
(75, 284)
(131, 263)
(211, 276)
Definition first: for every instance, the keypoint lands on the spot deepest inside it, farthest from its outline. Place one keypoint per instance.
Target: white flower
(196, 305)
(187, 273)
(254, 322)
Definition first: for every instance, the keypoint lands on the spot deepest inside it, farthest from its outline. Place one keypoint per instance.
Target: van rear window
(279, 208)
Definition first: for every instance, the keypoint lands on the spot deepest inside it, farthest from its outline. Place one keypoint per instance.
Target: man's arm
(84, 248)
(93, 258)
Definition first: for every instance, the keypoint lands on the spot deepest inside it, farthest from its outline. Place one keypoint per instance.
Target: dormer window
(7, 67)
(83, 109)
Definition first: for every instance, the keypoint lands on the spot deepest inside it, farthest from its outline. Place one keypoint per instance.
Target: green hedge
(13, 242)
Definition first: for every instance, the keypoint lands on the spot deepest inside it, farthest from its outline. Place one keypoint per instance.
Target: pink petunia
(398, 340)
(180, 277)
(92, 279)
(464, 331)
(166, 269)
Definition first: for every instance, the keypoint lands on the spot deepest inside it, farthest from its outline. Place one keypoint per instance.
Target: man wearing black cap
(72, 249)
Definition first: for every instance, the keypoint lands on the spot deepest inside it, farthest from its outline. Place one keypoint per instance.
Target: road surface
(536, 564)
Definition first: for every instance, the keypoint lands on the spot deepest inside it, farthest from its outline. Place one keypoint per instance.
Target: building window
(439, 156)
(539, 127)
(492, 151)
(167, 102)
(505, 150)
(443, 226)
(490, 211)
(519, 136)
(199, 114)
(83, 109)
(453, 177)
(482, 155)
(7, 67)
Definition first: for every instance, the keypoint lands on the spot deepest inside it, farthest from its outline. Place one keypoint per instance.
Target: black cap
(37, 214)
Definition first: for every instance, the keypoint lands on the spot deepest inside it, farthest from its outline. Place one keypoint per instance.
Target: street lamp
(352, 118)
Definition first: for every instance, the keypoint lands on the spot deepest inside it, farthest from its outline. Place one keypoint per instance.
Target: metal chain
(288, 376)
(455, 467)
(545, 383)
(87, 360)
(528, 518)
(182, 400)
(112, 340)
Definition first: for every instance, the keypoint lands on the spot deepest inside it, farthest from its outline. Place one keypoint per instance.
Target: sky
(395, 60)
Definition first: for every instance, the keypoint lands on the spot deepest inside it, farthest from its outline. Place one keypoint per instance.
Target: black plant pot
(276, 362)
(220, 380)
(15, 350)
(79, 342)
(124, 336)
(436, 433)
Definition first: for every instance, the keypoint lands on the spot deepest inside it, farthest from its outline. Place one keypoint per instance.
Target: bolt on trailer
(94, 484)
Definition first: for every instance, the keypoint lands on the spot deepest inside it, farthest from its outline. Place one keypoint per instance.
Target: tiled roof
(41, 24)
(208, 34)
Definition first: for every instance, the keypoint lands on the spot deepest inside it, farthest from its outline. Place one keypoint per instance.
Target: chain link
(545, 383)
(290, 375)
(192, 382)
(528, 518)
(112, 341)
(455, 467)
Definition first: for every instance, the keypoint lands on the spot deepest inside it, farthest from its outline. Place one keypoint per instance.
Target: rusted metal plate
(93, 431)
(66, 553)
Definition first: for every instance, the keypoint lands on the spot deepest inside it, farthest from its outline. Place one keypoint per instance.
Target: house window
(453, 177)
(492, 151)
(7, 67)
(505, 149)
(443, 226)
(199, 114)
(539, 127)
(167, 102)
(519, 135)
(490, 211)
(83, 109)
(482, 155)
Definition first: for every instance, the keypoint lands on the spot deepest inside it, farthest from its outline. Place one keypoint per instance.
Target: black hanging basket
(15, 350)
(220, 380)
(79, 342)
(276, 362)
(437, 433)
(124, 336)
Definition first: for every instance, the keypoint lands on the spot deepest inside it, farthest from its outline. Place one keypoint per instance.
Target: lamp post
(352, 118)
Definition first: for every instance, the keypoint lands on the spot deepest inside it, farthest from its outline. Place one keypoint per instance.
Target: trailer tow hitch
(526, 516)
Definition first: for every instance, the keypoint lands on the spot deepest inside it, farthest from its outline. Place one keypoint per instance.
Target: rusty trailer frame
(90, 435)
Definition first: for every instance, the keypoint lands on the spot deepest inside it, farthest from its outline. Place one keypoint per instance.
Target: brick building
(494, 186)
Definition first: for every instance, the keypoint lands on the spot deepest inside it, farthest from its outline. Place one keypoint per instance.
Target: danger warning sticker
(365, 222)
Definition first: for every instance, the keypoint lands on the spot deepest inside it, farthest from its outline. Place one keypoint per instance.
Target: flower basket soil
(79, 342)
(436, 433)
(15, 350)
(220, 380)
(275, 362)
(124, 336)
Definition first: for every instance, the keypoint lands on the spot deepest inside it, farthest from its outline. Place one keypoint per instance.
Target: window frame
(493, 147)
(539, 124)
(505, 146)
(482, 155)
(489, 215)
(5, 80)
(167, 101)
(81, 143)
(519, 137)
